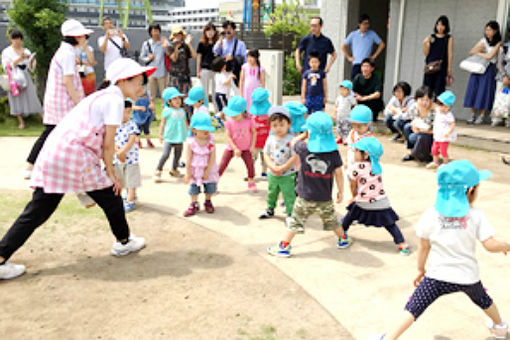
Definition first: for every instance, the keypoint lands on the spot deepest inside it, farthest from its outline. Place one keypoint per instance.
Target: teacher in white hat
(70, 161)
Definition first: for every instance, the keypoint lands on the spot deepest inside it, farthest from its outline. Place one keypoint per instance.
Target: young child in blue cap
(343, 105)
(281, 160)
(172, 131)
(143, 115)
(361, 121)
(297, 113)
(321, 166)
(370, 205)
(201, 168)
(197, 99)
(259, 110)
(448, 233)
(443, 128)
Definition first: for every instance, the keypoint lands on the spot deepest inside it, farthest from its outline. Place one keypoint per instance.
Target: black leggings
(32, 157)
(42, 206)
(167, 148)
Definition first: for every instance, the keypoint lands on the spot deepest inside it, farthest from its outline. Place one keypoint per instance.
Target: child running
(448, 233)
(143, 116)
(361, 120)
(126, 156)
(252, 76)
(281, 160)
(241, 136)
(443, 129)
(201, 168)
(259, 109)
(297, 116)
(370, 205)
(343, 105)
(321, 165)
(172, 131)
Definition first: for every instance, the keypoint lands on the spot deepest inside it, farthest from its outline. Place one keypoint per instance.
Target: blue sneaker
(279, 251)
(344, 242)
(129, 206)
(263, 175)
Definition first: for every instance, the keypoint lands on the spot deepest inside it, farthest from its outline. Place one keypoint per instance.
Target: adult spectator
(153, 54)
(112, 42)
(225, 47)
(205, 56)
(86, 62)
(17, 58)
(481, 87)
(315, 42)
(367, 87)
(438, 50)
(361, 42)
(180, 51)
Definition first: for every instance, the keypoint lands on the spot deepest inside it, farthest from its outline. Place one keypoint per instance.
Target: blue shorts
(209, 188)
(314, 103)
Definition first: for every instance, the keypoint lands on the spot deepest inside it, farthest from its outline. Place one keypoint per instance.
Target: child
(448, 232)
(297, 116)
(314, 87)
(223, 79)
(281, 160)
(172, 131)
(259, 111)
(126, 156)
(502, 104)
(361, 120)
(252, 76)
(197, 100)
(143, 116)
(443, 129)
(343, 105)
(370, 205)
(201, 168)
(241, 136)
(320, 163)
(396, 109)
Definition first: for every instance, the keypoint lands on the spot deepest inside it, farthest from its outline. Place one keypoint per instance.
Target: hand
(237, 152)
(120, 33)
(188, 39)
(404, 109)
(277, 170)
(228, 57)
(372, 57)
(350, 58)
(303, 101)
(253, 151)
(233, 76)
(415, 130)
(198, 73)
(121, 156)
(418, 278)
(339, 197)
(164, 42)
(326, 70)
(299, 68)
(206, 174)
(449, 73)
(446, 135)
(151, 57)
(117, 183)
(143, 109)
(325, 100)
(151, 106)
(161, 139)
(187, 178)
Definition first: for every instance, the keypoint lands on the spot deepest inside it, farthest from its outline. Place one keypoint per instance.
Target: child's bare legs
(207, 197)
(406, 322)
(131, 194)
(194, 198)
(21, 122)
(493, 313)
(339, 232)
(289, 236)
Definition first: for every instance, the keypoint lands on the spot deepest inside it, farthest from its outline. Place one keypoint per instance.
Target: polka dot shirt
(122, 137)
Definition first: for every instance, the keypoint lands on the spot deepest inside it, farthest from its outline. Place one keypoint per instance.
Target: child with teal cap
(369, 204)
(259, 109)
(443, 128)
(321, 166)
(197, 99)
(297, 116)
(361, 122)
(241, 135)
(172, 131)
(343, 105)
(201, 168)
(448, 233)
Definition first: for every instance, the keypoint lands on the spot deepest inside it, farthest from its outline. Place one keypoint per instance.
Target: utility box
(272, 61)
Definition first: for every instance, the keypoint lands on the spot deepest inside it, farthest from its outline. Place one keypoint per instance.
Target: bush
(4, 108)
(291, 78)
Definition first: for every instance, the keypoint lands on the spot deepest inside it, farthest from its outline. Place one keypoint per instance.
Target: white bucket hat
(124, 68)
(74, 28)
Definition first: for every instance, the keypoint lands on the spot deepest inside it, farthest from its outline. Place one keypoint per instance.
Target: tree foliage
(39, 21)
(289, 17)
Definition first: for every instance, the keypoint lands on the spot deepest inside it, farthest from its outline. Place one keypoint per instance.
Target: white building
(192, 18)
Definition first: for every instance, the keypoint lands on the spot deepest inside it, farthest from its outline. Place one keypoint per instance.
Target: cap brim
(484, 174)
(204, 128)
(231, 113)
(189, 101)
(138, 71)
(86, 31)
(452, 202)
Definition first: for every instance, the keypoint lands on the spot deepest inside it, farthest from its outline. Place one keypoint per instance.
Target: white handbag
(474, 64)
(4, 82)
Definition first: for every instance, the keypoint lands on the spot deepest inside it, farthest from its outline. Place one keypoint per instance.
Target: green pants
(285, 184)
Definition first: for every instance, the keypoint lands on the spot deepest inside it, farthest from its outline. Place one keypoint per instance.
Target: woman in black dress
(439, 46)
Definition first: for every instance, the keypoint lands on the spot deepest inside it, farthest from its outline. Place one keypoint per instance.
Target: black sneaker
(395, 137)
(266, 213)
(408, 158)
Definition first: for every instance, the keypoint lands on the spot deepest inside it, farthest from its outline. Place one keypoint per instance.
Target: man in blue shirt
(361, 42)
(315, 42)
(225, 47)
(153, 54)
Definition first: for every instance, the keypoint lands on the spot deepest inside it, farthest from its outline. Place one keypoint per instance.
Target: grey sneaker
(496, 121)
(10, 270)
(134, 244)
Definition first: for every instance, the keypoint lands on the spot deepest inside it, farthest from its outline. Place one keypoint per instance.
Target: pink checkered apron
(57, 102)
(70, 160)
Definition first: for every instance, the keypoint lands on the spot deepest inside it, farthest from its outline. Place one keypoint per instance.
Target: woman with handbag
(481, 87)
(438, 50)
(23, 102)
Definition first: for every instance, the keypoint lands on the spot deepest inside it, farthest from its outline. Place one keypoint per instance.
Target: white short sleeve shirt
(112, 53)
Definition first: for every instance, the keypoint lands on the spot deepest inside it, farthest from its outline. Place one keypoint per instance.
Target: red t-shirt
(262, 127)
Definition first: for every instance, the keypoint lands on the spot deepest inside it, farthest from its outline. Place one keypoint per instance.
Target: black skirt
(376, 218)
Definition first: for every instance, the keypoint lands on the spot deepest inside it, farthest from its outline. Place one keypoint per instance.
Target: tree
(40, 22)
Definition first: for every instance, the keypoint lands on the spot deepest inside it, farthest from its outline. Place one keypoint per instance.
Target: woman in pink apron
(70, 161)
(64, 89)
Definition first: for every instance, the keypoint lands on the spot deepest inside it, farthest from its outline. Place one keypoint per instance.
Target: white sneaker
(288, 221)
(432, 165)
(499, 331)
(10, 270)
(27, 174)
(133, 245)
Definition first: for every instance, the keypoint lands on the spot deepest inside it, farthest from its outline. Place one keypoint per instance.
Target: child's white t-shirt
(453, 241)
(441, 125)
(220, 78)
(344, 106)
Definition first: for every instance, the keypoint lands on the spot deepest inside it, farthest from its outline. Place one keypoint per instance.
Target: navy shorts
(430, 289)
(314, 103)
(145, 127)
(209, 188)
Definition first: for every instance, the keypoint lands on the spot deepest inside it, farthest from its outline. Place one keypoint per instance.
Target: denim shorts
(209, 188)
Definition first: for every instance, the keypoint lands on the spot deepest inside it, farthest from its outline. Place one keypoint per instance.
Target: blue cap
(195, 94)
(360, 114)
(320, 128)
(346, 83)
(236, 105)
(259, 103)
(170, 93)
(374, 149)
(201, 121)
(454, 179)
(278, 109)
(447, 98)
(297, 116)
